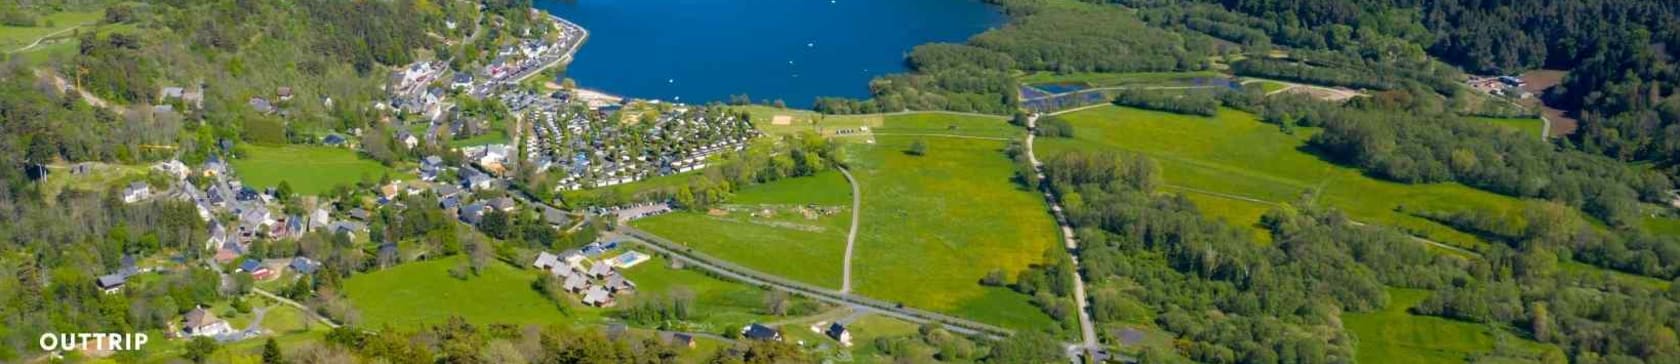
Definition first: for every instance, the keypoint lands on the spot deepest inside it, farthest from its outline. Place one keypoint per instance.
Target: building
(111, 283)
(839, 333)
(576, 283)
(200, 322)
(761, 332)
(135, 192)
(598, 296)
(546, 261)
(600, 270)
(304, 265)
(677, 339)
(618, 284)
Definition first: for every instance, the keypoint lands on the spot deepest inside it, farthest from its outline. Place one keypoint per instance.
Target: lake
(697, 51)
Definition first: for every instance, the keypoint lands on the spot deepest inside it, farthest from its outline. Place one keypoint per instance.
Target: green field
(933, 225)
(12, 37)
(493, 137)
(1235, 154)
(310, 170)
(1529, 126)
(785, 242)
(763, 118)
(1662, 226)
(420, 293)
(1395, 336)
(947, 124)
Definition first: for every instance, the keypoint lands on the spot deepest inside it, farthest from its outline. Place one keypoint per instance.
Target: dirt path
(289, 302)
(1087, 330)
(44, 38)
(851, 236)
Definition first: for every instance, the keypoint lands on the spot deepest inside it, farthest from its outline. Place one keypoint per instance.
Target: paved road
(1087, 330)
(749, 276)
(851, 236)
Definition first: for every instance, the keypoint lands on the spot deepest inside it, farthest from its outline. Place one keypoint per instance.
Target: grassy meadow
(311, 170)
(933, 225)
(1395, 336)
(1234, 153)
(785, 242)
(1528, 126)
(420, 293)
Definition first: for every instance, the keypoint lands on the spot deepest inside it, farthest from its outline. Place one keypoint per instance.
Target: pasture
(1234, 154)
(772, 228)
(1395, 336)
(932, 226)
(1527, 126)
(310, 170)
(421, 293)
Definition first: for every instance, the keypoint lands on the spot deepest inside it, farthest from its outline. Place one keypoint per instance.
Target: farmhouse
(839, 333)
(756, 331)
(111, 283)
(135, 192)
(677, 339)
(200, 322)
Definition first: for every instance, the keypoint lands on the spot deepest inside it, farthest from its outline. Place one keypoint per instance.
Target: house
(359, 214)
(479, 181)
(174, 168)
(760, 332)
(600, 270)
(546, 261)
(348, 228)
(494, 153)
(304, 265)
(554, 216)
(575, 283)
(200, 322)
(571, 257)
(448, 191)
(135, 192)
(261, 105)
(249, 265)
(319, 218)
(562, 271)
(171, 93)
(111, 283)
(598, 296)
(618, 284)
(407, 139)
(504, 204)
(677, 339)
(839, 333)
(218, 235)
(473, 213)
(461, 81)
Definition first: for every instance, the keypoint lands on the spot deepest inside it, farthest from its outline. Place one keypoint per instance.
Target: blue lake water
(697, 51)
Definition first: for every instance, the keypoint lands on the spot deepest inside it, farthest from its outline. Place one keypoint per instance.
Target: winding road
(851, 236)
(1087, 330)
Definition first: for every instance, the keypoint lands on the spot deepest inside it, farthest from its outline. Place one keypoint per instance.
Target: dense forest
(1154, 257)
(1620, 73)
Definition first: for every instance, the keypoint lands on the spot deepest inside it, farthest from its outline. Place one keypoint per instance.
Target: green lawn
(421, 293)
(826, 188)
(493, 137)
(1529, 126)
(930, 123)
(763, 118)
(12, 38)
(1662, 226)
(310, 170)
(933, 225)
(1395, 336)
(1233, 153)
(717, 303)
(786, 243)
(1235, 212)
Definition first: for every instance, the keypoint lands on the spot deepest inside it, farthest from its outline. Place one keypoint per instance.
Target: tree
(199, 349)
(271, 352)
(917, 148)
